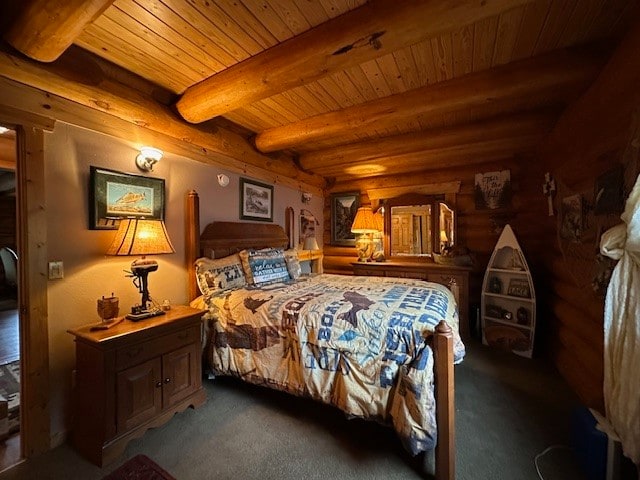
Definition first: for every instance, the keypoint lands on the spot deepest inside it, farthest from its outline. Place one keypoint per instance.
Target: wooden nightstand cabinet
(132, 377)
(454, 277)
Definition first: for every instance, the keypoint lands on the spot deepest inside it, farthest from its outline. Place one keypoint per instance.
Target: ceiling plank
(46, 28)
(375, 29)
(134, 107)
(558, 75)
(428, 140)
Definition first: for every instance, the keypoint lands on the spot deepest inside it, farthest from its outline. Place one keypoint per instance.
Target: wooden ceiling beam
(100, 93)
(375, 29)
(46, 28)
(449, 157)
(438, 138)
(559, 76)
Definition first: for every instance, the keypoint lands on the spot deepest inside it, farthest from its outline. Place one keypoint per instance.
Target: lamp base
(136, 317)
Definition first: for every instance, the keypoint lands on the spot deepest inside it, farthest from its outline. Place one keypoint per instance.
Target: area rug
(10, 390)
(139, 467)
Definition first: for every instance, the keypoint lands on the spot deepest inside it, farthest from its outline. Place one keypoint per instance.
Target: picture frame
(572, 218)
(519, 288)
(343, 211)
(492, 190)
(256, 200)
(608, 197)
(114, 195)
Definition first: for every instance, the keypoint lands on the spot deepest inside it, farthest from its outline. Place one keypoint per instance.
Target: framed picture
(115, 195)
(608, 195)
(256, 200)
(307, 225)
(492, 190)
(572, 220)
(519, 288)
(343, 211)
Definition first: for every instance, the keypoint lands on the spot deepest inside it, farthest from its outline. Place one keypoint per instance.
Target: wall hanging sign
(493, 190)
(256, 200)
(343, 211)
(114, 195)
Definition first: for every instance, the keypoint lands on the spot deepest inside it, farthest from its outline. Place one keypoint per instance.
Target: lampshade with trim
(141, 237)
(364, 221)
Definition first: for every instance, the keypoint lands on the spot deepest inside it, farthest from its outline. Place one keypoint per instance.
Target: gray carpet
(508, 410)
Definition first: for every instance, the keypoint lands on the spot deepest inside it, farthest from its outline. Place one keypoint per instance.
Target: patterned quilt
(357, 343)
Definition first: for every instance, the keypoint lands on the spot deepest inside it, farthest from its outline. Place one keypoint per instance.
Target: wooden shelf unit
(508, 308)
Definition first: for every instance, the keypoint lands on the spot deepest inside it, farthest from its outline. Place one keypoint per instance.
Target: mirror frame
(419, 199)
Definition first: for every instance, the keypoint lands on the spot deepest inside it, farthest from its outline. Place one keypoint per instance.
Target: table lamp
(365, 225)
(137, 236)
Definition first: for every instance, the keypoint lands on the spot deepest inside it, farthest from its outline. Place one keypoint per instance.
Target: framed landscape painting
(343, 211)
(114, 195)
(256, 201)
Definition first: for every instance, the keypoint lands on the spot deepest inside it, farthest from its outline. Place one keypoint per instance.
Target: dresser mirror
(418, 226)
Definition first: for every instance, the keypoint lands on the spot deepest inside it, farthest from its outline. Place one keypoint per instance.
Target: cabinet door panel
(139, 394)
(180, 374)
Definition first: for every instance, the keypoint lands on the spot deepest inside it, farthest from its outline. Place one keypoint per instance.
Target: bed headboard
(219, 239)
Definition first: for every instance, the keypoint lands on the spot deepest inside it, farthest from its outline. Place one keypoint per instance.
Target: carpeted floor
(10, 390)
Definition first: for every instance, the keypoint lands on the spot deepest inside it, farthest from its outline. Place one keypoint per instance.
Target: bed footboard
(445, 455)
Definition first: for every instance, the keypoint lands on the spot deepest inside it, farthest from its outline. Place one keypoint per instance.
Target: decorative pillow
(215, 276)
(293, 264)
(264, 266)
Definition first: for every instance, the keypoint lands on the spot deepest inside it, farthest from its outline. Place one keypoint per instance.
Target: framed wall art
(343, 211)
(256, 200)
(114, 195)
(492, 190)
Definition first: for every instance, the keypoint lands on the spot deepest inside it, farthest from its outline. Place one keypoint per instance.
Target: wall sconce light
(306, 197)
(223, 180)
(147, 158)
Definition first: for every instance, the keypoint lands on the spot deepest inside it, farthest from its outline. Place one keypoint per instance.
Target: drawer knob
(167, 380)
(158, 385)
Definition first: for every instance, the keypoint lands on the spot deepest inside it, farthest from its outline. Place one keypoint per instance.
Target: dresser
(132, 377)
(454, 277)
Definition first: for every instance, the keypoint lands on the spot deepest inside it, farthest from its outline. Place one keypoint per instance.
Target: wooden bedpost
(445, 410)
(192, 240)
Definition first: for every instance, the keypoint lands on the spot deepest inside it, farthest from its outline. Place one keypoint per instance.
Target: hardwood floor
(9, 352)
(9, 336)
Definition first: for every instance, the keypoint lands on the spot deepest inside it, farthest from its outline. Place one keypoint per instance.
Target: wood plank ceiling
(348, 89)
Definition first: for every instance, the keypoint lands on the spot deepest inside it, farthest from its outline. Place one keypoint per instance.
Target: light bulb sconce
(147, 158)
(306, 197)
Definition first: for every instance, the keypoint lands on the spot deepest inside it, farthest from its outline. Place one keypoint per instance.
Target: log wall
(599, 130)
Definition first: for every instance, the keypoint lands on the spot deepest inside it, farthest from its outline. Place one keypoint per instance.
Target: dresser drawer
(135, 354)
(446, 279)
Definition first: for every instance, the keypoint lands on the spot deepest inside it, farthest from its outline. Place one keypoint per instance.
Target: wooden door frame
(31, 240)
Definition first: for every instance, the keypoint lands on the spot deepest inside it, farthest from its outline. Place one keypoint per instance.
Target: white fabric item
(622, 330)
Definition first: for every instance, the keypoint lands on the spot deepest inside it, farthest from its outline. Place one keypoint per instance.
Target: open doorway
(10, 451)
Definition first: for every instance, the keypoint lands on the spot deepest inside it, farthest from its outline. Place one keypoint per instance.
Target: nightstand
(132, 377)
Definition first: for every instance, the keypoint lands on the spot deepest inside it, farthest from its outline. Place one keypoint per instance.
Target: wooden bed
(220, 239)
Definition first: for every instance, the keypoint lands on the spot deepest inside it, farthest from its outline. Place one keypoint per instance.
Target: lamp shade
(310, 243)
(443, 236)
(141, 237)
(364, 221)
(379, 216)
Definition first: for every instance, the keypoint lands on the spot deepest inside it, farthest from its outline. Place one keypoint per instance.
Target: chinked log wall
(593, 133)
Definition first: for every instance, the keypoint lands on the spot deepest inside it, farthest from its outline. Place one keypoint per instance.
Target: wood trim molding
(428, 189)
(32, 274)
